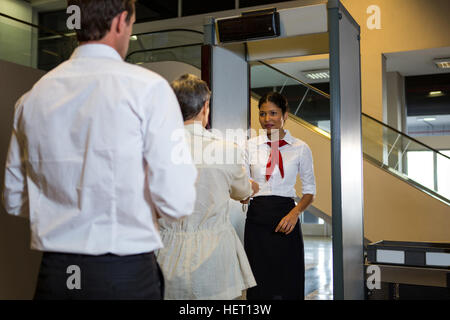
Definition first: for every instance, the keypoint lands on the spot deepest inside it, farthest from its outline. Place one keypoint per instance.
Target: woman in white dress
(203, 257)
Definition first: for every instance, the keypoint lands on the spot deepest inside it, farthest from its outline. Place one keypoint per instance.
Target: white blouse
(297, 160)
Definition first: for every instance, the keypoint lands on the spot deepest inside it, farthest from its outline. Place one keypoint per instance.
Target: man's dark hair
(279, 100)
(97, 15)
(192, 93)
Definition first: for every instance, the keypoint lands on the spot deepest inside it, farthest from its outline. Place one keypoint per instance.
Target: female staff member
(273, 238)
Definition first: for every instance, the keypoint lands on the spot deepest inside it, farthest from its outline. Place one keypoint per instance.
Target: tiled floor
(318, 268)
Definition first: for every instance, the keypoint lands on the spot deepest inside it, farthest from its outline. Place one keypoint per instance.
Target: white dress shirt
(203, 257)
(297, 160)
(91, 157)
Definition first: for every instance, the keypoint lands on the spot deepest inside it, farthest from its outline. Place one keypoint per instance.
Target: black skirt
(276, 259)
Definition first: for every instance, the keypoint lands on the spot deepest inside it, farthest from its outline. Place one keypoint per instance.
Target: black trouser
(104, 277)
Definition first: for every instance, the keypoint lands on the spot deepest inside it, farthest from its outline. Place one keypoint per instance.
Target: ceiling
(262, 76)
(419, 62)
(425, 125)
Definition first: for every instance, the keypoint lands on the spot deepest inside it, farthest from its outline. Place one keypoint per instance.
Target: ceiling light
(317, 74)
(133, 38)
(443, 63)
(429, 119)
(433, 94)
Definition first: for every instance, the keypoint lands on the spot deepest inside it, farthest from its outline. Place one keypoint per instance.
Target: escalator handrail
(406, 136)
(164, 48)
(168, 30)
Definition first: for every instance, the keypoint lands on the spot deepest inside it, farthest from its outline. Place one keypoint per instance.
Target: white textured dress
(203, 257)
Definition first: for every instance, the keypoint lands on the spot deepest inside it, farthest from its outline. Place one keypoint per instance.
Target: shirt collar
(288, 138)
(96, 50)
(197, 129)
(262, 139)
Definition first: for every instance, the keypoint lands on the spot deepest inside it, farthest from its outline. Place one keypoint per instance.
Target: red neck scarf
(275, 158)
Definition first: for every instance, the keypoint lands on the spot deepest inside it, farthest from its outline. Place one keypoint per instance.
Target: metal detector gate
(325, 27)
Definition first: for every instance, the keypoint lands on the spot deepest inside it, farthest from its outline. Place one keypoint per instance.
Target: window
(443, 174)
(54, 20)
(421, 165)
(428, 105)
(421, 168)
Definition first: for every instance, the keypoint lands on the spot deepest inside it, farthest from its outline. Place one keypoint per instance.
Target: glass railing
(384, 146)
(166, 45)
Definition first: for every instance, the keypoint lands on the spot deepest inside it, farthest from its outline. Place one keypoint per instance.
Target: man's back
(90, 130)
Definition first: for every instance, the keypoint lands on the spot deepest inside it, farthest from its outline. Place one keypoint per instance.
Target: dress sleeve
(306, 171)
(241, 187)
(246, 158)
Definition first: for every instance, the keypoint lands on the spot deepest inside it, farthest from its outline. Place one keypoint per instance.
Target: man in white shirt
(90, 164)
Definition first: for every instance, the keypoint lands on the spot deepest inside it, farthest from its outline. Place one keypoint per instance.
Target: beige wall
(436, 142)
(405, 25)
(393, 210)
(18, 264)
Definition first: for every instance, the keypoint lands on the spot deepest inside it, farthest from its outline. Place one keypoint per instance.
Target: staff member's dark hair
(192, 93)
(97, 15)
(279, 100)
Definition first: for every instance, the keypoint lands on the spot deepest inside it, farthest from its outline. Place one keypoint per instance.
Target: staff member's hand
(288, 223)
(255, 188)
